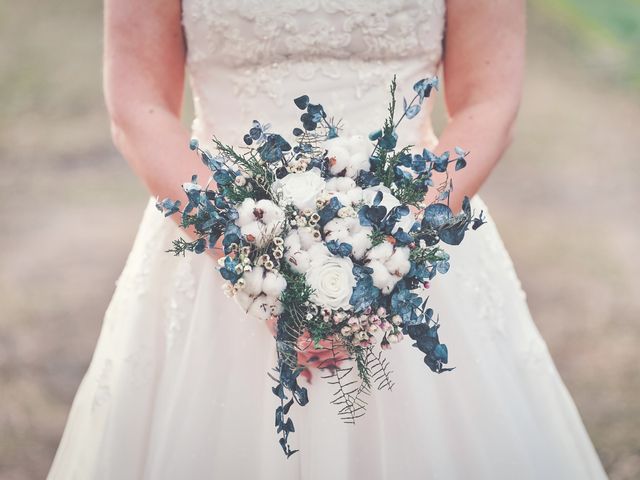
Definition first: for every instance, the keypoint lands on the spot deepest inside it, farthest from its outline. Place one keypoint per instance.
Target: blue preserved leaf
(340, 249)
(273, 148)
(301, 102)
(436, 215)
(440, 163)
(364, 293)
(329, 211)
(375, 135)
(460, 163)
(412, 111)
(424, 86)
(223, 177)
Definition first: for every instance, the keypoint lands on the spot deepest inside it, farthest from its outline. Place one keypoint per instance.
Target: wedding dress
(178, 386)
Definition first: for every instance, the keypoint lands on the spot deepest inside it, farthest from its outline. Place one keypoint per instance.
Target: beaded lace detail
(264, 44)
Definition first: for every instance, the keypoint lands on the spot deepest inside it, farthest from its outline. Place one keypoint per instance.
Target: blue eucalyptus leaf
(297, 132)
(307, 122)
(412, 111)
(332, 133)
(170, 206)
(440, 352)
(364, 293)
(272, 150)
(460, 163)
(301, 101)
(406, 159)
(402, 238)
(371, 215)
(286, 407)
(479, 221)
(367, 179)
(424, 86)
(444, 195)
(466, 206)
(213, 239)
(404, 303)
(232, 214)
(301, 395)
(223, 178)
(329, 211)
(442, 266)
(388, 141)
(360, 271)
(193, 144)
(454, 234)
(436, 215)
(338, 248)
(278, 391)
(375, 135)
(316, 112)
(200, 246)
(440, 164)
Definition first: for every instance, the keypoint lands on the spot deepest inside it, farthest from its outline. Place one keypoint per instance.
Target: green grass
(607, 28)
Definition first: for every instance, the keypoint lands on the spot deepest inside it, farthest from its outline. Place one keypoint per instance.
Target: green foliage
(377, 237)
(180, 246)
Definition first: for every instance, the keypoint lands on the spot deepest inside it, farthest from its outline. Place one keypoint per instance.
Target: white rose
(332, 281)
(300, 189)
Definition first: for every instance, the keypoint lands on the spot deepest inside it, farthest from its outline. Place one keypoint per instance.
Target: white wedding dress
(178, 386)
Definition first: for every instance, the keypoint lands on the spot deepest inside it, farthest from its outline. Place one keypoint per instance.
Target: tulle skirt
(178, 388)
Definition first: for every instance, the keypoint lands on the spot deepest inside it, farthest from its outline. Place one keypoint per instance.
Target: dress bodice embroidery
(248, 59)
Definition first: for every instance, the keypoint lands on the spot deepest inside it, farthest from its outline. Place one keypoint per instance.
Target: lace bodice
(248, 59)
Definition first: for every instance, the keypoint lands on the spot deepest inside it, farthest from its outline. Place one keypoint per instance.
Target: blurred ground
(565, 199)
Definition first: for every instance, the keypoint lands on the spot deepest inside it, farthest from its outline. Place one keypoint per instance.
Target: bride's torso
(248, 59)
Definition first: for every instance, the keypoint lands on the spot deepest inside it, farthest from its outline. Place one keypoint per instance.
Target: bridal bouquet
(329, 236)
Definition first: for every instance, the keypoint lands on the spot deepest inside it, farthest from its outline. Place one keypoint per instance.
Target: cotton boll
(340, 184)
(381, 252)
(339, 236)
(245, 212)
(253, 280)
(338, 224)
(359, 161)
(271, 213)
(292, 242)
(243, 299)
(273, 284)
(264, 307)
(298, 260)
(337, 148)
(354, 195)
(254, 232)
(319, 252)
(306, 238)
(343, 197)
(382, 278)
(398, 264)
(361, 243)
(338, 162)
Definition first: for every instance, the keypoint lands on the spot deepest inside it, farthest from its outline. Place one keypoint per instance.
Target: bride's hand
(311, 357)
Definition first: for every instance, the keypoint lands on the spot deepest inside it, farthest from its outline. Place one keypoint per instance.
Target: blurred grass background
(565, 199)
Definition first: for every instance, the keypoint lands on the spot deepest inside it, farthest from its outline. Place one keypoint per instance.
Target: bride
(177, 387)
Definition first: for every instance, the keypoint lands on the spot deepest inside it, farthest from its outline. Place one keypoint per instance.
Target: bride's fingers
(272, 323)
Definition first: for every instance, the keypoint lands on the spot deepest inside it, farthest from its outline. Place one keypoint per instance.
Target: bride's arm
(144, 55)
(483, 69)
